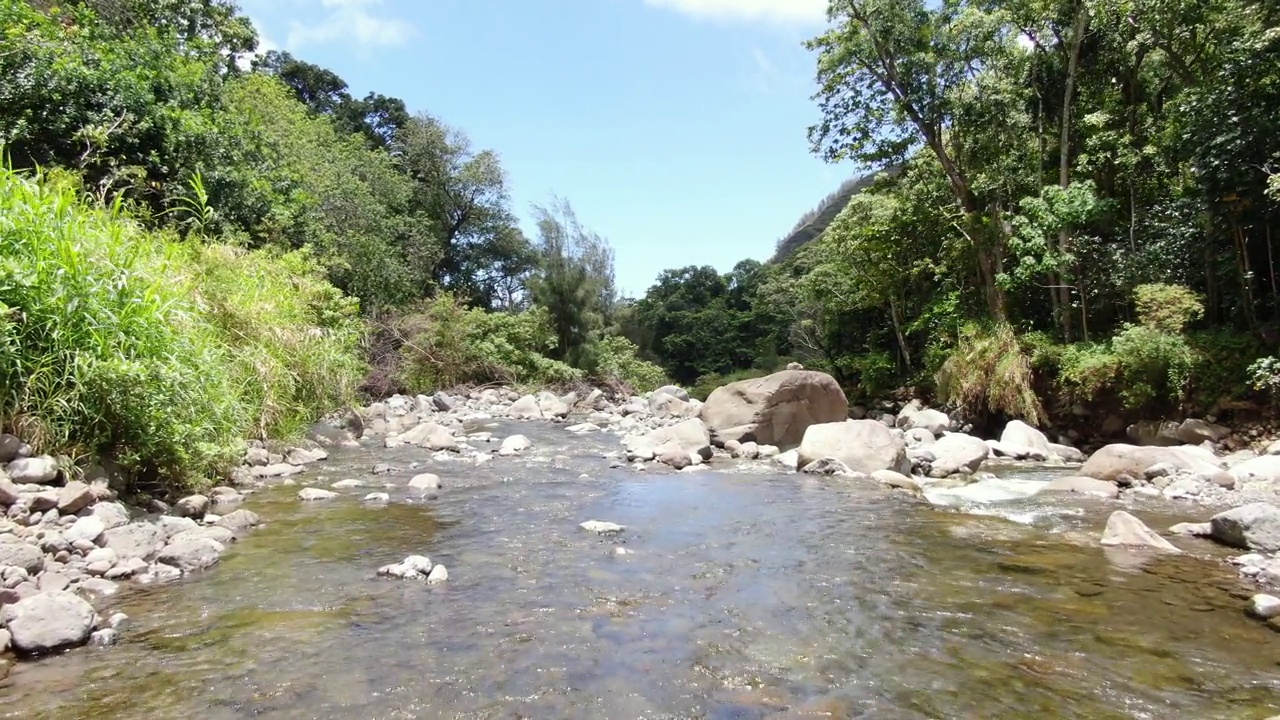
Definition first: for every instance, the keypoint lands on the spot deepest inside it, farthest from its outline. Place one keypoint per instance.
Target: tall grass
(988, 371)
(160, 354)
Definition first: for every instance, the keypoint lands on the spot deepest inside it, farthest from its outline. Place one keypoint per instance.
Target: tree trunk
(1064, 158)
(895, 312)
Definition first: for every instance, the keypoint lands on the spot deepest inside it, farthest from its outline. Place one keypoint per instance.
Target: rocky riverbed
(646, 557)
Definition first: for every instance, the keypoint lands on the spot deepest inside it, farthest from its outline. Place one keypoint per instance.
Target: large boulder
(957, 453)
(1154, 433)
(33, 470)
(935, 421)
(774, 410)
(427, 435)
(1194, 432)
(1255, 526)
(17, 553)
(1260, 469)
(136, 540)
(543, 406)
(662, 405)
(689, 437)
(674, 391)
(864, 446)
(1018, 434)
(48, 621)
(1118, 459)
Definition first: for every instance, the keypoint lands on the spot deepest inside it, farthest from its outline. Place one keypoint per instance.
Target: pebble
(601, 527)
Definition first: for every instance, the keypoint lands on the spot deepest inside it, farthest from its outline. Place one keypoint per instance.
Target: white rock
(90, 528)
(104, 637)
(438, 574)
(377, 497)
(1125, 529)
(311, 494)
(48, 621)
(424, 483)
(414, 566)
(514, 445)
(601, 527)
(348, 483)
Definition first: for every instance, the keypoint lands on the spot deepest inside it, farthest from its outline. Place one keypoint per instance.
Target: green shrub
(615, 359)
(989, 371)
(1141, 365)
(1167, 308)
(876, 372)
(1222, 365)
(707, 384)
(161, 355)
(444, 344)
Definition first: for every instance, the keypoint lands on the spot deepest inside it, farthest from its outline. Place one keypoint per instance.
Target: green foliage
(708, 383)
(988, 371)
(444, 344)
(616, 360)
(574, 281)
(1264, 373)
(1166, 308)
(159, 354)
(1140, 365)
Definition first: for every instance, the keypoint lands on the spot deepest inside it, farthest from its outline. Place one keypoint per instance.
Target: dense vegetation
(199, 244)
(1083, 214)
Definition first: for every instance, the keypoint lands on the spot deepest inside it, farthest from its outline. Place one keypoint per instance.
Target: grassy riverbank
(159, 353)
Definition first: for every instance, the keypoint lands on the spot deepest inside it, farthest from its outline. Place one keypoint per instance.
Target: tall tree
(574, 281)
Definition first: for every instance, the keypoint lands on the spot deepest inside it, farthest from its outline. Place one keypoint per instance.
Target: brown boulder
(774, 410)
(1119, 459)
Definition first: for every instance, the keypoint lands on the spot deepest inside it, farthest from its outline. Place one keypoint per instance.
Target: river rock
(1156, 433)
(19, 554)
(1127, 530)
(1021, 436)
(1083, 486)
(1066, 453)
(192, 506)
(864, 446)
(789, 459)
(896, 480)
(438, 574)
(305, 456)
(543, 406)
(935, 421)
(191, 554)
(747, 451)
(225, 496)
(9, 492)
(257, 457)
(1119, 459)
(918, 437)
(1255, 526)
(426, 435)
(689, 437)
(443, 402)
(104, 637)
(829, 466)
(12, 448)
(39, 470)
(957, 453)
(1264, 469)
(414, 566)
(112, 514)
(774, 410)
(514, 445)
(662, 405)
(674, 391)
(273, 470)
(310, 494)
(1194, 432)
(1192, 529)
(135, 540)
(239, 520)
(74, 497)
(88, 528)
(601, 527)
(377, 497)
(222, 536)
(48, 621)
(424, 483)
(1264, 607)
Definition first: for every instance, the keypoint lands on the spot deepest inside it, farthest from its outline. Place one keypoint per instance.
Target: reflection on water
(746, 596)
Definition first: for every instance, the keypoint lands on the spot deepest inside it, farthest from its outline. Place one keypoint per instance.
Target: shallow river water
(748, 594)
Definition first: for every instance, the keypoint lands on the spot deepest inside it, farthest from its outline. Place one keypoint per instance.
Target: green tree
(574, 280)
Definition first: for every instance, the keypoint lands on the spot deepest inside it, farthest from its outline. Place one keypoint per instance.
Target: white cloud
(357, 22)
(777, 11)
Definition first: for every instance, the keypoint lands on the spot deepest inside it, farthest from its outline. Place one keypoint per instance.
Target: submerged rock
(412, 567)
(1083, 486)
(514, 445)
(311, 494)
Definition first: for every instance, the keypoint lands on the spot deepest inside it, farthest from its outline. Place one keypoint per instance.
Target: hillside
(813, 223)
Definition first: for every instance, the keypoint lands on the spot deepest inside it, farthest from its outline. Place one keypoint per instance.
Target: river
(747, 593)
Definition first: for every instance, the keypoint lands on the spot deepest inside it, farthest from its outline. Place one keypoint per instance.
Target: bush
(164, 356)
(989, 371)
(1141, 365)
(615, 359)
(444, 344)
(1167, 308)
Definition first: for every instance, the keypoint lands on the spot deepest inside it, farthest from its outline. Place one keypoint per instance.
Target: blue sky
(676, 128)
